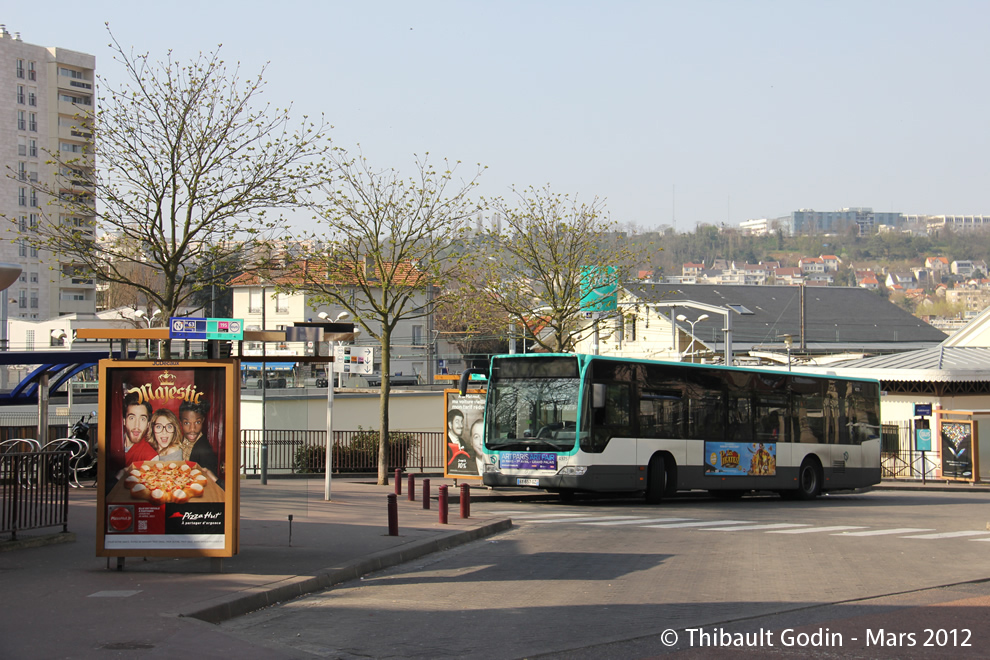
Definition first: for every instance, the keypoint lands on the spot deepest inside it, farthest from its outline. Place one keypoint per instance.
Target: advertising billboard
(168, 473)
(464, 434)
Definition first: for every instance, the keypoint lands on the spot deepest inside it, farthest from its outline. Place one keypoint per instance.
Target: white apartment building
(42, 92)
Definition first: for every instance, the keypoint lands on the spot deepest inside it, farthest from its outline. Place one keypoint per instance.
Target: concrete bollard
(398, 481)
(393, 515)
(465, 501)
(412, 487)
(426, 493)
(442, 504)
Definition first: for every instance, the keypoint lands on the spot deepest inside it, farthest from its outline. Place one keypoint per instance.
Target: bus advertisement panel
(168, 474)
(741, 459)
(463, 426)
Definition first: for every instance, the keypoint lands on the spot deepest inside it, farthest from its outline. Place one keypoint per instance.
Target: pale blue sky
(702, 111)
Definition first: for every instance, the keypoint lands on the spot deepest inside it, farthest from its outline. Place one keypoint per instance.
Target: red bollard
(393, 516)
(412, 487)
(442, 504)
(465, 501)
(398, 481)
(426, 493)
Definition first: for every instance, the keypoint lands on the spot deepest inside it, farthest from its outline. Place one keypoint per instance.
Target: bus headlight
(573, 470)
(489, 467)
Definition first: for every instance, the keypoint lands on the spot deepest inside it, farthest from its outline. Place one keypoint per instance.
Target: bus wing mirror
(462, 384)
(598, 395)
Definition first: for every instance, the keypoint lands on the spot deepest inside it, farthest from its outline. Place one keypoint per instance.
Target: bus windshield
(533, 413)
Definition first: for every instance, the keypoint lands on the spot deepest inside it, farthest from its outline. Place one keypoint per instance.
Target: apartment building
(44, 93)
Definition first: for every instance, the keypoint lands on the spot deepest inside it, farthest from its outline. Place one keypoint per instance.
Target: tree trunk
(383, 407)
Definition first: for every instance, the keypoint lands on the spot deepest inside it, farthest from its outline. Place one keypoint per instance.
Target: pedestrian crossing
(735, 526)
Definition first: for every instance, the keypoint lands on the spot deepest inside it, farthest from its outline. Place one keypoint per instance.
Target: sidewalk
(62, 601)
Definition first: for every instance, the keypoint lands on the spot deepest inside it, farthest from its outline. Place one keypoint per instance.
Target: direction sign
(354, 360)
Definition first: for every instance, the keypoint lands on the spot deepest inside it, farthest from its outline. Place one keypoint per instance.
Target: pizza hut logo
(120, 519)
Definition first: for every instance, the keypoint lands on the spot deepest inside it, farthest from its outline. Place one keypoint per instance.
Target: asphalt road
(868, 575)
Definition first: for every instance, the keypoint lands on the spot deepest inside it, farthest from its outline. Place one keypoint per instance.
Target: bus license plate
(527, 482)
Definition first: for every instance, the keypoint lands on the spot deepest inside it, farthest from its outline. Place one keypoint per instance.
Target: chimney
(3, 31)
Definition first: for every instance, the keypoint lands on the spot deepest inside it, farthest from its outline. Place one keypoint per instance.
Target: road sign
(188, 327)
(354, 360)
(923, 439)
(922, 410)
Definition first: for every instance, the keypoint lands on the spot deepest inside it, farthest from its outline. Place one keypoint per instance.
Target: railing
(304, 452)
(908, 464)
(34, 488)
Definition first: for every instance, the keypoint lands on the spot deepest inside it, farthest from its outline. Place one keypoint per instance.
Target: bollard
(398, 481)
(393, 515)
(412, 487)
(442, 504)
(426, 493)
(465, 501)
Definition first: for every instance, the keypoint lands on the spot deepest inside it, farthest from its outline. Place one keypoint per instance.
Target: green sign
(225, 329)
(923, 439)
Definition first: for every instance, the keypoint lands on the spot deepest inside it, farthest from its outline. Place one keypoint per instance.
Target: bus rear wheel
(656, 480)
(809, 480)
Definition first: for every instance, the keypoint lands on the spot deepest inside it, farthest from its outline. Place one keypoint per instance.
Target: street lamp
(141, 314)
(788, 342)
(684, 319)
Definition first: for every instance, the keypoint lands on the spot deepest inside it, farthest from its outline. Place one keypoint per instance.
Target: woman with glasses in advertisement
(165, 435)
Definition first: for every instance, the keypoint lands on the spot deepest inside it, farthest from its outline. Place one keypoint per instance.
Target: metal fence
(898, 457)
(34, 490)
(304, 452)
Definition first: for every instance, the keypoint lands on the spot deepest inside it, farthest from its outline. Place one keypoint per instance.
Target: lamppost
(141, 314)
(788, 342)
(684, 319)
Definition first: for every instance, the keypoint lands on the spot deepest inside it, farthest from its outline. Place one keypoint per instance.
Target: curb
(38, 541)
(256, 598)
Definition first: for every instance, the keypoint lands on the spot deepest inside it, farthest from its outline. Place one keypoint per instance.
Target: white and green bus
(571, 423)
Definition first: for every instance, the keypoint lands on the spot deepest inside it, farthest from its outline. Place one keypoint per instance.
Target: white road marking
(583, 520)
(882, 532)
(640, 521)
(815, 530)
(948, 535)
(753, 527)
(704, 523)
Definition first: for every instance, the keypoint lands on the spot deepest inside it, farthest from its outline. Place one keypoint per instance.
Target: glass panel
(535, 413)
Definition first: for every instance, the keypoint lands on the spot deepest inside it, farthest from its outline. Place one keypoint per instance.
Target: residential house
(416, 350)
(692, 269)
(788, 275)
(900, 281)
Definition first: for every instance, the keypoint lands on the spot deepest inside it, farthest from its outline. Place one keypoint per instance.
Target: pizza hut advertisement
(168, 458)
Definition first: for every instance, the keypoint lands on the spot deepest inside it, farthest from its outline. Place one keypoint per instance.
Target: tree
(547, 254)
(188, 172)
(386, 247)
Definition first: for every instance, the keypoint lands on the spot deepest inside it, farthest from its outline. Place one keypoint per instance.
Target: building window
(32, 98)
(20, 68)
(281, 303)
(417, 335)
(34, 300)
(34, 199)
(630, 331)
(22, 171)
(21, 247)
(34, 278)
(20, 94)
(77, 100)
(34, 251)
(254, 301)
(22, 196)
(34, 223)
(33, 148)
(21, 121)
(22, 278)
(32, 74)
(23, 223)
(22, 302)
(33, 122)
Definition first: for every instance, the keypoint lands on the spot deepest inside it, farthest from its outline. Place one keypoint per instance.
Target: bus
(571, 423)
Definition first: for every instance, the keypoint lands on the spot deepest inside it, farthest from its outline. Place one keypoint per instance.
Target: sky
(672, 113)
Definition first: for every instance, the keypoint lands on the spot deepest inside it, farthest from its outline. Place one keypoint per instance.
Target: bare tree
(551, 260)
(186, 170)
(385, 248)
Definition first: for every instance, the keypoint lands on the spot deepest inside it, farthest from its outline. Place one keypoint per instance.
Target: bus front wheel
(809, 480)
(656, 476)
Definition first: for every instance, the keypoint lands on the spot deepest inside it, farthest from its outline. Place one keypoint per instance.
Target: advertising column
(168, 480)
